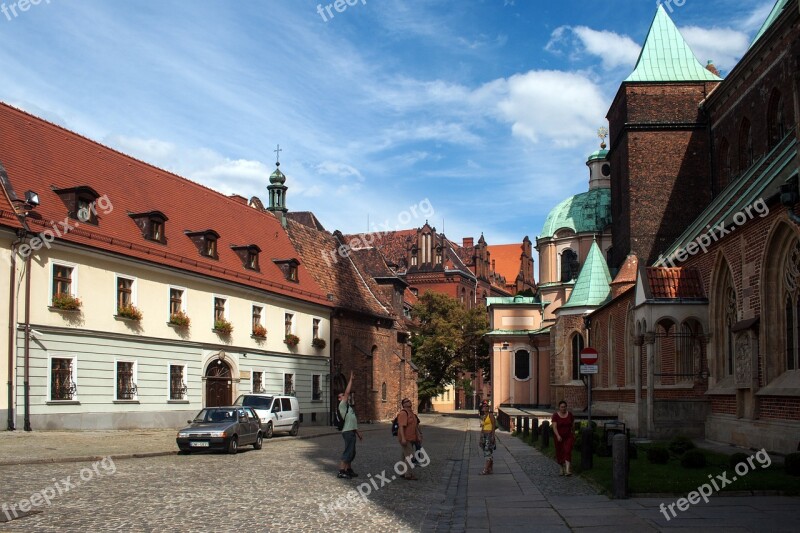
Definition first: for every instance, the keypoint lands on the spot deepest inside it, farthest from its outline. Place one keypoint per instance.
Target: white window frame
(73, 286)
(294, 383)
(185, 381)
(263, 312)
(134, 300)
(184, 297)
(294, 321)
(135, 380)
(253, 381)
(227, 306)
(50, 357)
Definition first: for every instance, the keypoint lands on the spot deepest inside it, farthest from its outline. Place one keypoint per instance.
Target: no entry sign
(588, 356)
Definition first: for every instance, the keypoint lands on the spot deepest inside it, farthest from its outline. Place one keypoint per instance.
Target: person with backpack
(407, 434)
(347, 422)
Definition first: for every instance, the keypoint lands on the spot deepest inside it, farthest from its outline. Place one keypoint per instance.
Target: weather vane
(278, 155)
(602, 132)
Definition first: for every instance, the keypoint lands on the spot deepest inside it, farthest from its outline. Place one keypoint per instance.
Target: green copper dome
(277, 177)
(597, 154)
(585, 212)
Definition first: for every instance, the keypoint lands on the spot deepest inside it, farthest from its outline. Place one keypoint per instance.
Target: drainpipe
(26, 383)
(12, 333)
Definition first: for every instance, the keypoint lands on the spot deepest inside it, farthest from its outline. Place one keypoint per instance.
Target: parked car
(221, 428)
(277, 412)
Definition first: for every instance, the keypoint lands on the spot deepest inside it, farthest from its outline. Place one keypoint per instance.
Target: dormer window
(249, 255)
(206, 242)
(289, 268)
(151, 224)
(80, 203)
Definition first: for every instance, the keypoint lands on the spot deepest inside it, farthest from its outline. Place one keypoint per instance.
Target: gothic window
(792, 307)
(630, 349)
(745, 146)
(569, 265)
(730, 320)
(612, 355)
(687, 344)
(776, 127)
(577, 346)
(724, 165)
(383, 392)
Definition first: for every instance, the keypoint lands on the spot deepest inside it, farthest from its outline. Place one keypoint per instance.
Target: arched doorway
(219, 384)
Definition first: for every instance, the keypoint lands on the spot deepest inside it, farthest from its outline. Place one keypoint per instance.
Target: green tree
(449, 339)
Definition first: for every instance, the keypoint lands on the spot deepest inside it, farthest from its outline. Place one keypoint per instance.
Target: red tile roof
(42, 157)
(392, 244)
(627, 272)
(679, 282)
(507, 260)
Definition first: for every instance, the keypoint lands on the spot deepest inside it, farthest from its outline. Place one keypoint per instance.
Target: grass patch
(673, 478)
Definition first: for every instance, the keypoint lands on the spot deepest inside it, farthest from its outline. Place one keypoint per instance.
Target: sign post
(589, 367)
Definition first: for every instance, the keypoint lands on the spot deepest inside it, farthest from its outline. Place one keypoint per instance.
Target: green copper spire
(592, 287)
(776, 10)
(665, 55)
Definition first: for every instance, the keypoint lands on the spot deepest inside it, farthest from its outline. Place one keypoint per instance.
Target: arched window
(776, 126)
(612, 355)
(723, 165)
(577, 346)
(688, 352)
(569, 265)
(383, 391)
(745, 146)
(630, 348)
(792, 307)
(730, 321)
(522, 364)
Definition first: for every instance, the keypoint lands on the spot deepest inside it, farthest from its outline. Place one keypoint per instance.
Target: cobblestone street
(290, 485)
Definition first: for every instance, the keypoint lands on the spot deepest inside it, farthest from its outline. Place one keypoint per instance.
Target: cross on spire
(278, 155)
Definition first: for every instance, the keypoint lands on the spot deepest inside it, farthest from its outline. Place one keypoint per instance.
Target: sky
(476, 115)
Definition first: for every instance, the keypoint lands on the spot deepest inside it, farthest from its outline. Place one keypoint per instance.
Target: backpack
(395, 427)
(339, 419)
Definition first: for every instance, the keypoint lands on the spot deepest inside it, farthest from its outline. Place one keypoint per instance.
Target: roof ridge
(51, 124)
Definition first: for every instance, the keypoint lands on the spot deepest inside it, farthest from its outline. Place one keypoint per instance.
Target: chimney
(468, 242)
(238, 198)
(712, 69)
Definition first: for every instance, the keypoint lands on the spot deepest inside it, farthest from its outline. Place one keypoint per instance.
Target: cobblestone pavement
(543, 471)
(289, 485)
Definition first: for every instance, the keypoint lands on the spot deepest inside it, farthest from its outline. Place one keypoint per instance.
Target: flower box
(319, 343)
(223, 326)
(179, 319)
(291, 340)
(66, 302)
(129, 311)
(259, 331)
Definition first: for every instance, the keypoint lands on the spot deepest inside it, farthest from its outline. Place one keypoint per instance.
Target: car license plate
(197, 444)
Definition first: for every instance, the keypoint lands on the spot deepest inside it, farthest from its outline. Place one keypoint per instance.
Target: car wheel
(295, 429)
(233, 445)
(259, 442)
(269, 431)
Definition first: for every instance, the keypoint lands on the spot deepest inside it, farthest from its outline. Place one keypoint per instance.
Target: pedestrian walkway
(525, 493)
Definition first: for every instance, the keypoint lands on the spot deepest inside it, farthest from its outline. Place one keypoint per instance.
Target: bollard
(526, 427)
(545, 434)
(518, 425)
(586, 448)
(619, 467)
(535, 429)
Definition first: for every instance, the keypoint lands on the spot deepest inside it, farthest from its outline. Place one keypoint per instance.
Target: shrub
(66, 302)
(693, 459)
(680, 445)
(633, 451)
(129, 311)
(291, 340)
(223, 326)
(180, 319)
(318, 343)
(792, 464)
(736, 458)
(259, 331)
(658, 455)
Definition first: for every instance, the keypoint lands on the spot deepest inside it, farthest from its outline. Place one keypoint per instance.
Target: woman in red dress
(562, 424)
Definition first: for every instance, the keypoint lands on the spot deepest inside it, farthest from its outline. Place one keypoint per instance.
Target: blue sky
(487, 109)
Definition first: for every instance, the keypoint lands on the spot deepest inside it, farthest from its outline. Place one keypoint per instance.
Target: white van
(277, 412)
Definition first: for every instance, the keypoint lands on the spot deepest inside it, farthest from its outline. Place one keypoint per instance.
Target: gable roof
(592, 288)
(337, 274)
(43, 157)
(507, 260)
(666, 56)
(674, 283)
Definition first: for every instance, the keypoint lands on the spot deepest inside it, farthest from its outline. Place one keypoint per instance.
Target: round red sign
(588, 356)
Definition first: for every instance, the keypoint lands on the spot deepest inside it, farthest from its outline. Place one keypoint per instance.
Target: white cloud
(755, 20)
(613, 49)
(340, 170)
(565, 107)
(724, 46)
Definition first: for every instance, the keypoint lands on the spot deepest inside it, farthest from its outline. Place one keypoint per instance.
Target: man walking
(349, 432)
(407, 433)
